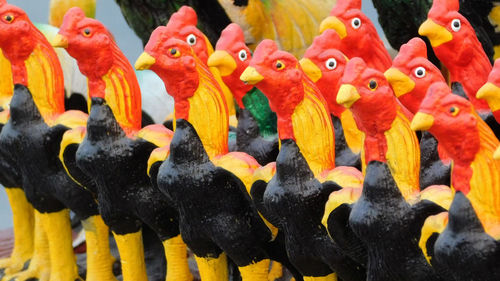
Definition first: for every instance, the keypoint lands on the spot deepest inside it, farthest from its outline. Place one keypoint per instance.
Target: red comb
(345, 5)
(230, 35)
(444, 6)
(184, 17)
(353, 69)
(414, 48)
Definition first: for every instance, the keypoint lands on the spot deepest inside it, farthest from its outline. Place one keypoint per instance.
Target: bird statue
(461, 246)
(292, 25)
(305, 166)
(324, 64)
(357, 33)
(366, 92)
(391, 197)
(410, 76)
(22, 211)
(207, 184)
(457, 47)
(256, 131)
(32, 136)
(114, 151)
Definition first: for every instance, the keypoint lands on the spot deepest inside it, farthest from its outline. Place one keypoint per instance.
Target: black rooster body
(292, 201)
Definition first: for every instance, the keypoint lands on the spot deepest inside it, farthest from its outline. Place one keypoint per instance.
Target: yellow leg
(99, 258)
(39, 267)
(62, 259)
(256, 271)
(276, 271)
(24, 224)
(177, 263)
(132, 256)
(213, 269)
(330, 277)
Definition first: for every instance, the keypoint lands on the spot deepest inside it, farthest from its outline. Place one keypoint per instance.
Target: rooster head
(412, 73)
(278, 75)
(232, 57)
(354, 28)
(324, 64)
(173, 60)
(450, 118)
(16, 32)
(446, 28)
(491, 90)
(88, 41)
(369, 96)
(182, 25)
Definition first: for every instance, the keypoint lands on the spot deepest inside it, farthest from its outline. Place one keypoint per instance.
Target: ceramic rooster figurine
(115, 150)
(457, 47)
(410, 76)
(389, 208)
(10, 178)
(466, 248)
(256, 129)
(207, 185)
(306, 158)
(324, 64)
(31, 137)
(491, 91)
(368, 94)
(358, 34)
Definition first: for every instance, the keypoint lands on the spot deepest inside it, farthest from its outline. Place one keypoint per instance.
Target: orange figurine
(32, 136)
(114, 150)
(358, 34)
(455, 43)
(466, 247)
(305, 167)
(390, 207)
(324, 64)
(207, 183)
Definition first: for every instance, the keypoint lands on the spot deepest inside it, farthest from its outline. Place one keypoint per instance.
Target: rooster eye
(242, 55)
(280, 65)
(9, 18)
(86, 32)
(455, 25)
(174, 52)
(331, 64)
(372, 85)
(356, 23)
(454, 111)
(420, 72)
(191, 39)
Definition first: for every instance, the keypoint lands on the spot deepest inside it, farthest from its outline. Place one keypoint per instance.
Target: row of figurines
(348, 190)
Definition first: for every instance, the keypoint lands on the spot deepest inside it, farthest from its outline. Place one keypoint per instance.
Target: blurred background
(108, 12)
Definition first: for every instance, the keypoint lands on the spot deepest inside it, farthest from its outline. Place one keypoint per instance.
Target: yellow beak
(422, 122)
(333, 23)
(496, 155)
(222, 61)
(347, 95)
(145, 61)
(436, 33)
(251, 76)
(311, 70)
(491, 93)
(401, 84)
(59, 41)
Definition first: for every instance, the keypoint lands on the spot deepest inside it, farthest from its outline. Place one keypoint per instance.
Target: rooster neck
(119, 87)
